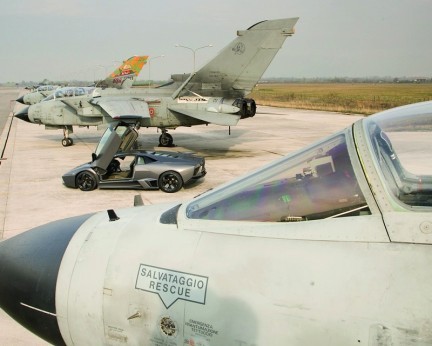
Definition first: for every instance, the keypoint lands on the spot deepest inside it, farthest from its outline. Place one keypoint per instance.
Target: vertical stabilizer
(240, 65)
(124, 76)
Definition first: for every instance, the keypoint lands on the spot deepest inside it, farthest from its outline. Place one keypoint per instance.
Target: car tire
(170, 182)
(86, 181)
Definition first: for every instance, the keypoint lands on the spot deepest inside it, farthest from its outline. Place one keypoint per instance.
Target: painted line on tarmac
(6, 130)
(5, 136)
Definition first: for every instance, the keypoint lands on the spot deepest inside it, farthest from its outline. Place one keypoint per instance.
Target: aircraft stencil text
(172, 285)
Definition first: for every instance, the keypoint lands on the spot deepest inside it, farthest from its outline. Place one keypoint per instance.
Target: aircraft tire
(67, 142)
(170, 182)
(165, 140)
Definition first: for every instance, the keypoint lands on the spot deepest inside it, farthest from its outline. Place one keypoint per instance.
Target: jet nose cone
(23, 114)
(21, 100)
(29, 265)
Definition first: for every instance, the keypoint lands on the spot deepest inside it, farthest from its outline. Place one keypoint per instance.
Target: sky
(65, 40)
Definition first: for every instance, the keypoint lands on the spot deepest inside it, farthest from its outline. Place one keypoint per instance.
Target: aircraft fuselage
(79, 111)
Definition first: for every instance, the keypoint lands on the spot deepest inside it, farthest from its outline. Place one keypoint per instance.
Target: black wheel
(165, 140)
(86, 181)
(67, 142)
(170, 182)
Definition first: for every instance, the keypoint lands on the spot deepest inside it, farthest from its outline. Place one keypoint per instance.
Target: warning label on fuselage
(171, 285)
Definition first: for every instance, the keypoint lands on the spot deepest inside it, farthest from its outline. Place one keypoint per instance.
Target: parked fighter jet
(330, 245)
(122, 77)
(34, 87)
(215, 94)
(38, 94)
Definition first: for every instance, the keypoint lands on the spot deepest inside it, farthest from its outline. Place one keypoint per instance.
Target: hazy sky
(57, 39)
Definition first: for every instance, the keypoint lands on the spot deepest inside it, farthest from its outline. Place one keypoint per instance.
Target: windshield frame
(414, 116)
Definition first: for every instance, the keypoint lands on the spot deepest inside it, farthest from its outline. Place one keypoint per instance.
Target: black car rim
(170, 182)
(86, 182)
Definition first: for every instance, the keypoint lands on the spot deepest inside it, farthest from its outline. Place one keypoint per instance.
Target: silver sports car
(114, 166)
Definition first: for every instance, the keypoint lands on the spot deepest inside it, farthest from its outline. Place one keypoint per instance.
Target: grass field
(356, 98)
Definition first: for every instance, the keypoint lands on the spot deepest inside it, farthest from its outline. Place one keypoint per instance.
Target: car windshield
(401, 141)
(318, 182)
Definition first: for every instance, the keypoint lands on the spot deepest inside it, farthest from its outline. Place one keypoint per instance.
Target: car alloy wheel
(86, 181)
(170, 182)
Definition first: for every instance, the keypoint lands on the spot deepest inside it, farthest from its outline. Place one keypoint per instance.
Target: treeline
(415, 80)
(358, 98)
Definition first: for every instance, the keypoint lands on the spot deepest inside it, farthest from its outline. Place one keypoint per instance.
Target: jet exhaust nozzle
(247, 107)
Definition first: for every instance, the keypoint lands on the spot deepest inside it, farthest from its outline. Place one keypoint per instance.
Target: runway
(32, 193)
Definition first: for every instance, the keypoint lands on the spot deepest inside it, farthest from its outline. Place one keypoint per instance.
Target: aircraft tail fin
(240, 65)
(124, 76)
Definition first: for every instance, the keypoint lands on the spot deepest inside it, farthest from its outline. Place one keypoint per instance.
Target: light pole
(193, 51)
(149, 65)
(104, 67)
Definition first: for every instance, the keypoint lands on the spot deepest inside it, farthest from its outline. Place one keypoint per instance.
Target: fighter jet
(330, 245)
(215, 94)
(34, 87)
(38, 94)
(122, 77)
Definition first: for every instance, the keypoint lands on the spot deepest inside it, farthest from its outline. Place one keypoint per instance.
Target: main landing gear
(165, 139)
(66, 141)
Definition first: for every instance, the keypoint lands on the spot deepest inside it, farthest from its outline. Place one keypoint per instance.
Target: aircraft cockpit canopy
(47, 88)
(70, 92)
(318, 182)
(401, 142)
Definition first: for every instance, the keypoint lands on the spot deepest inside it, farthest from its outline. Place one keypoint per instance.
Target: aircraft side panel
(140, 314)
(32, 98)
(91, 250)
(162, 117)
(164, 285)
(58, 113)
(311, 293)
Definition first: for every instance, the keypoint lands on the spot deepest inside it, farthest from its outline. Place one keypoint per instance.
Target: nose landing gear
(67, 142)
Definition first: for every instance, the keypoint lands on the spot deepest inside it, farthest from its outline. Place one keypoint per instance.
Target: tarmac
(33, 162)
